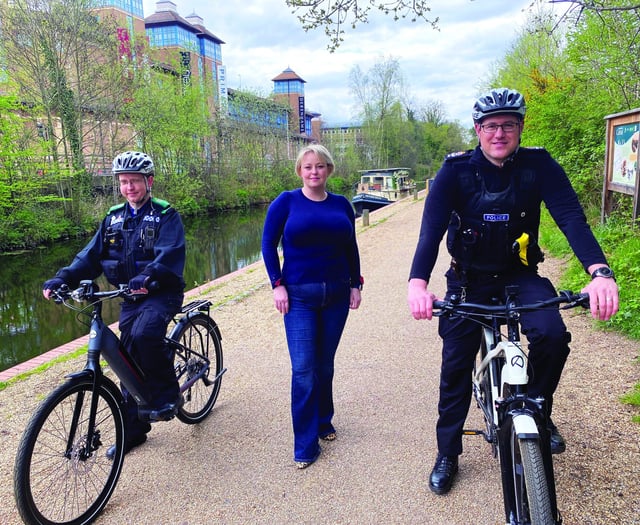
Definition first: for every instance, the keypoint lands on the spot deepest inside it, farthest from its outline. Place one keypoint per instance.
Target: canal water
(30, 325)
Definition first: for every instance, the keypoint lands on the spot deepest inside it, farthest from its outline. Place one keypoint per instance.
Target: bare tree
(382, 99)
(335, 15)
(577, 8)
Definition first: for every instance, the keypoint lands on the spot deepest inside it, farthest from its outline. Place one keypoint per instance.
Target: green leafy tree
(571, 82)
(171, 119)
(63, 61)
(396, 132)
(28, 216)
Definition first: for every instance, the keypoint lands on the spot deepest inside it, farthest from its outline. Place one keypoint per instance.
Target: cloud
(264, 37)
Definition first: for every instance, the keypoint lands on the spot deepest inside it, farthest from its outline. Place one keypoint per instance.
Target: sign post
(621, 160)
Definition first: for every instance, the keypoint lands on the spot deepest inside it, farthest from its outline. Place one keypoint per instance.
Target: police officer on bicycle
(488, 202)
(141, 243)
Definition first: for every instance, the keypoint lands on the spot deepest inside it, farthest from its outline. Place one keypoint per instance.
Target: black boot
(558, 444)
(443, 473)
(129, 444)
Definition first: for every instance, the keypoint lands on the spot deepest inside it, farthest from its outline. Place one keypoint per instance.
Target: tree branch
(332, 15)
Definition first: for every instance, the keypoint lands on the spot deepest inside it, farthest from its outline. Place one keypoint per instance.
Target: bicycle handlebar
(565, 297)
(88, 291)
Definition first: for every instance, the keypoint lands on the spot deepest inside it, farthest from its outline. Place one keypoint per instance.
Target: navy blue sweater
(318, 240)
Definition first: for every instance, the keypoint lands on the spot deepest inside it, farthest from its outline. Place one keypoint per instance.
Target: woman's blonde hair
(322, 153)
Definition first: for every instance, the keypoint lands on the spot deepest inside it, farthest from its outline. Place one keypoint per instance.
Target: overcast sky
(263, 37)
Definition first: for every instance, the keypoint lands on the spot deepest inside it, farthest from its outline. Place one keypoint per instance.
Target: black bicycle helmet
(133, 162)
(501, 100)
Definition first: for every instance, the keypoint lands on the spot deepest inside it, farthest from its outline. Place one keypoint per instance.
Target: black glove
(53, 284)
(138, 284)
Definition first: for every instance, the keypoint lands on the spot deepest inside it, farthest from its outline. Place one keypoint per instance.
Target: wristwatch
(603, 271)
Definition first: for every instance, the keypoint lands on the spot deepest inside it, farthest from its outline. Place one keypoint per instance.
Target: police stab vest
(485, 234)
(129, 242)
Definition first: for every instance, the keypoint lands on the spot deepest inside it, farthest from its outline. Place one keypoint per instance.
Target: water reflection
(222, 244)
(29, 325)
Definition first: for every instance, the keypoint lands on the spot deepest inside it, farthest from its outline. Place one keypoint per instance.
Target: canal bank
(216, 245)
(237, 468)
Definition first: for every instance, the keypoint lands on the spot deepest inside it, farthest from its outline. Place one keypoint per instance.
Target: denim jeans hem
(309, 460)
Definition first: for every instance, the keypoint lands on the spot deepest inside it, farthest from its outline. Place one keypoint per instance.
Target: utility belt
(468, 275)
(525, 256)
(491, 247)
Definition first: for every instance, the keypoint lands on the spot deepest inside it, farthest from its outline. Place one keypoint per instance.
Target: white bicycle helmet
(133, 162)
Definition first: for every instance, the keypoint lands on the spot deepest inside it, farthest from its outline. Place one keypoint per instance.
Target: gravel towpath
(237, 468)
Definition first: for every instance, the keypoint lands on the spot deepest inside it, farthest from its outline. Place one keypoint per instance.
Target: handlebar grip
(149, 286)
(579, 298)
(583, 300)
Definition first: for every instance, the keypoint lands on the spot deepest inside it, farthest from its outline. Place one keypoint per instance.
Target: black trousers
(545, 331)
(143, 326)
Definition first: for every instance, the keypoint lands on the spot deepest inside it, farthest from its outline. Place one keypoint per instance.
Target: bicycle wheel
(197, 336)
(532, 499)
(62, 474)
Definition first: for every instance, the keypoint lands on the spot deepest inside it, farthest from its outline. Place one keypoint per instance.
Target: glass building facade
(133, 7)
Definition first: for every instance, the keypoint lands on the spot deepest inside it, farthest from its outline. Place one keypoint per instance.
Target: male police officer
(140, 242)
(487, 198)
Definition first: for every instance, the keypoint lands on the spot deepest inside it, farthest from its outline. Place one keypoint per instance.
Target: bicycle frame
(103, 342)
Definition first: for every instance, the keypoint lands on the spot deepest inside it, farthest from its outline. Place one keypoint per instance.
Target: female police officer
(139, 242)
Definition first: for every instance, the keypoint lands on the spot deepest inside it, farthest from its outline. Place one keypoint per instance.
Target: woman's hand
(355, 298)
(281, 299)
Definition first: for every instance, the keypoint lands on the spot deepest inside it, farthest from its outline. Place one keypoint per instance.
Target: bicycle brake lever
(581, 299)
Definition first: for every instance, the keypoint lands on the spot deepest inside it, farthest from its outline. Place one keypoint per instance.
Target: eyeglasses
(507, 127)
(133, 182)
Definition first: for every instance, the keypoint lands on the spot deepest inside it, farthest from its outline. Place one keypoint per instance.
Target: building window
(289, 86)
(132, 7)
(172, 36)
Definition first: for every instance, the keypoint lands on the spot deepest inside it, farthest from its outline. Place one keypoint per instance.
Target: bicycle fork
(512, 415)
(521, 417)
(92, 440)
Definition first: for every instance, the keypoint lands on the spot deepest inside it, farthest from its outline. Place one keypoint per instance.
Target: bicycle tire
(197, 334)
(56, 480)
(532, 498)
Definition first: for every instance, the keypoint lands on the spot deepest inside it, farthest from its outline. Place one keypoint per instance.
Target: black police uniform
(150, 242)
(485, 209)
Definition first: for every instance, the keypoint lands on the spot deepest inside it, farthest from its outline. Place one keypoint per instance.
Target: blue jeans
(314, 324)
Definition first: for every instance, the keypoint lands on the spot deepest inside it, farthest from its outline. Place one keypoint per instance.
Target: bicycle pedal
(166, 413)
(468, 432)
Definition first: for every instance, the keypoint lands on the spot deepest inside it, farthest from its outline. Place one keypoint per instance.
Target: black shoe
(130, 444)
(558, 444)
(443, 473)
